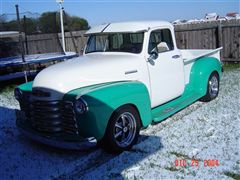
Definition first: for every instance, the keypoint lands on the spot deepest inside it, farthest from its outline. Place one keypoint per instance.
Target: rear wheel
(122, 131)
(212, 89)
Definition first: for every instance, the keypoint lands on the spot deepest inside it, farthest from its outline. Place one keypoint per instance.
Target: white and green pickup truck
(131, 75)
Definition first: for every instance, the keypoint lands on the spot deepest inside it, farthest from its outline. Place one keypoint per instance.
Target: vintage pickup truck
(131, 74)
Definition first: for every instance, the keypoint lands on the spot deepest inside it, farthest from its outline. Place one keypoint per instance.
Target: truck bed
(191, 55)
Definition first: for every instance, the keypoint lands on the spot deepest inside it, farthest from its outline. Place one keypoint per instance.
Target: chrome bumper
(79, 145)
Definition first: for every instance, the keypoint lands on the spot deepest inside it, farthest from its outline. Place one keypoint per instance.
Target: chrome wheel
(125, 129)
(213, 86)
(122, 130)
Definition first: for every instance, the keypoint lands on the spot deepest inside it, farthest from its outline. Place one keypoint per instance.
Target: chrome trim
(85, 104)
(213, 87)
(125, 129)
(130, 72)
(176, 56)
(51, 116)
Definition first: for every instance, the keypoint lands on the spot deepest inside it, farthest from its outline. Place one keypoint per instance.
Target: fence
(210, 35)
(205, 35)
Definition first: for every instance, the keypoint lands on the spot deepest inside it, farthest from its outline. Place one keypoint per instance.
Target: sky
(105, 11)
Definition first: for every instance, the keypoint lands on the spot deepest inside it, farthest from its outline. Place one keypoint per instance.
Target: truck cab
(157, 52)
(130, 75)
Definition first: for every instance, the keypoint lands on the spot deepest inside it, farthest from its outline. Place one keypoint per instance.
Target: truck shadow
(111, 166)
(24, 158)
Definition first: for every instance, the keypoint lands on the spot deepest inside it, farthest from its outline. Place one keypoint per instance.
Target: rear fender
(200, 72)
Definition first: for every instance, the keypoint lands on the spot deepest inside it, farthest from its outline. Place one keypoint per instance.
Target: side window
(160, 41)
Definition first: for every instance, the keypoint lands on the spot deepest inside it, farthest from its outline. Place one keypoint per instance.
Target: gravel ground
(200, 132)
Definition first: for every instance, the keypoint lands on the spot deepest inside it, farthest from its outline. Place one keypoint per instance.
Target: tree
(9, 26)
(48, 23)
(75, 23)
(3, 18)
(32, 25)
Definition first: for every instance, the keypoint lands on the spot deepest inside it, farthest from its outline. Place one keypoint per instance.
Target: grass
(232, 175)
(8, 88)
(180, 155)
(171, 169)
(231, 66)
(184, 156)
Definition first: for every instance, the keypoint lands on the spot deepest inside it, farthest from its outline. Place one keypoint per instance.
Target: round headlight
(18, 94)
(81, 106)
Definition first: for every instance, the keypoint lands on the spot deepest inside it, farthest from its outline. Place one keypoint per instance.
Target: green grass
(231, 66)
(180, 155)
(8, 88)
(171, 169)
(184, 156)
(232, 175)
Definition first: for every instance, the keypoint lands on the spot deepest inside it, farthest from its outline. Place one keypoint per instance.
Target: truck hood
(88, 70)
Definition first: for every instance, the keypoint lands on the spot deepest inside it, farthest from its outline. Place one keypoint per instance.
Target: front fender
(104, 99)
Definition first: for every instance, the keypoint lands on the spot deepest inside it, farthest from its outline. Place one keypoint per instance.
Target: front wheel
(212, 88)
(122, 131)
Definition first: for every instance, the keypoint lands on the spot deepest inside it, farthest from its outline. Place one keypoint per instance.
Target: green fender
(103, 100)
(26, 86)
(200, 72)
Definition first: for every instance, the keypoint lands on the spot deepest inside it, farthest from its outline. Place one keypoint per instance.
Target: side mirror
(162, 47)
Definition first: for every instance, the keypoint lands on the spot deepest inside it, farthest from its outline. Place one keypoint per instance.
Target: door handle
(176, 56)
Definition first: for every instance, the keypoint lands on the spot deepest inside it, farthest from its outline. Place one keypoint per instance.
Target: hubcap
(213, 87)
(125, 129)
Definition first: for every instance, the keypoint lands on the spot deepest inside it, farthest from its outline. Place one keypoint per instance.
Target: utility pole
(25, 32)
(61, 20)
(21, 42)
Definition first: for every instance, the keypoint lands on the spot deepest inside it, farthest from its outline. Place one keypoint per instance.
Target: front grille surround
(40, 93)
(51, 116)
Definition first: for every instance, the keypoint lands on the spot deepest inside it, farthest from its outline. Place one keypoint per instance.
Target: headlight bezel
(81, 106)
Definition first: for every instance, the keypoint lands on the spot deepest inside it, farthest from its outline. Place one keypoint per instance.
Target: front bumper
(56, 140)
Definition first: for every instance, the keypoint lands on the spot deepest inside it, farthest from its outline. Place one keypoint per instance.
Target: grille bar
(51, 116)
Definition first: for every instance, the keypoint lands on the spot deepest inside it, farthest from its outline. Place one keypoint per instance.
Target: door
(165, 67)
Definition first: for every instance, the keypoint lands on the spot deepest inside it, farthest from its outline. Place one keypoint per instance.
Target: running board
(163, 111)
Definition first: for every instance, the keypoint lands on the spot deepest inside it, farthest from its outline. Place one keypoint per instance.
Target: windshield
(115, 42)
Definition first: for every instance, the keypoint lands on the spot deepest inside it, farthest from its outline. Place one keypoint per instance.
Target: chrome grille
(51, 116)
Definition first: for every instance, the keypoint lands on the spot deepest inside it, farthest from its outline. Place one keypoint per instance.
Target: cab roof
(133, 26)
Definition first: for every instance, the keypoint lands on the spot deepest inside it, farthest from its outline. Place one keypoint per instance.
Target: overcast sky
(104, 11)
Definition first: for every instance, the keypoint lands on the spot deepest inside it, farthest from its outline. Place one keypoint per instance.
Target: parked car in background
(232, 15)
(211, 16)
